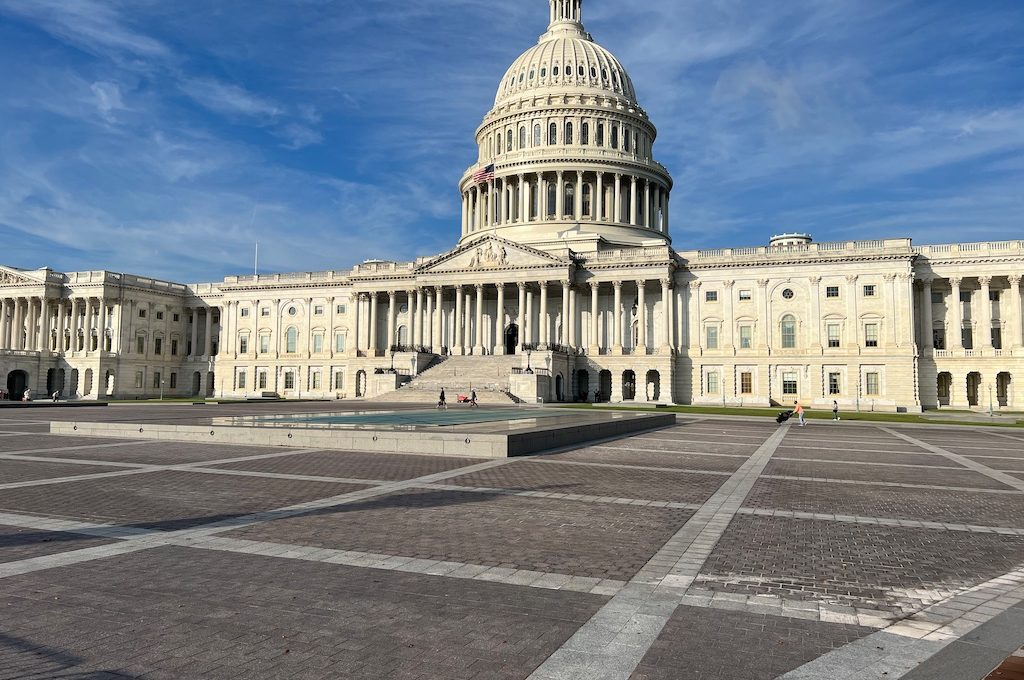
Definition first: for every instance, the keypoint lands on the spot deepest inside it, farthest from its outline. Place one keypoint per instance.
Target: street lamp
(990, 413)
(392, 359)
(161, 389)
(528, 369)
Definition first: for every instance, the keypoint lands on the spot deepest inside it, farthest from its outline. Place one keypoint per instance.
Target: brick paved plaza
(713, 550)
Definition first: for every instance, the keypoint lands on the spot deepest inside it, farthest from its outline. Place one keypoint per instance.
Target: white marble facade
(565, 253)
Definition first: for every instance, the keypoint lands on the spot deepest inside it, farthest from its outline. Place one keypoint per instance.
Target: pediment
(10, 276)
(492, 253)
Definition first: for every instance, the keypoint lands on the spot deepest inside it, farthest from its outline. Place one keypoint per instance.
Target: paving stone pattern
(698, 644)
(32, 442)
(355, 465)
(275, 619)
(20, 544)
(164, 453)
(885, 568)
(863, 456)
(12, 471)
(581, 539)
(667, 458)
(877, 473)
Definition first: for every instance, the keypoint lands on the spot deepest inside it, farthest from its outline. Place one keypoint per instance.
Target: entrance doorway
(944, 385)
(605, 378)
(628, 386)
(361, 384)
(17, 382)
(559, 388)
(511, 339)
(583, 385)
(1003, 383)
(973, 388)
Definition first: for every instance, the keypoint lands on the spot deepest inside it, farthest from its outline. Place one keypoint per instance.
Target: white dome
(566, 60)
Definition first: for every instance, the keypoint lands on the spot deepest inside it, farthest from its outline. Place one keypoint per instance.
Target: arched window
(554, 71)
(543, 72)
(569, 207)
(497, 145)
(788, 332)
(626, 139)
(585, 134)
(615, 137)
(508, 140)
(568, 133)
(536, 134)
(586, 199)
(291, 340)
(600, 134)
(582, 71)
(553, 133)
(522, 138)
(552, 193)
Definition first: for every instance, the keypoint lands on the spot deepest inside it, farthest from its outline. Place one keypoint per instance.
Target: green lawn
(811, 414)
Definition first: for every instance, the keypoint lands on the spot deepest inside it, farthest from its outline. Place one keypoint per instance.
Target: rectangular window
(832, 291)
(156, 380)
(939, 338)
(789, 384)
(746, 295)
(289, 381)
(341, 309)
(174, 380)
(871, 335)
(711, 296)
(871, 384)
(318, 310)
(869, 291)
(834, 383)
(245, 312)
(832, 330)
(997, 338)
(159, 316)
(746, 337)
(318, 342)
(264, 344)
(993, 296)
(937, 298)
(339, 342)
(177, 317)
(140, 345)
(158, 346)
(713, 382)
(138, 380)
(174, 348)
(316, 380)
(241, 380)
(712, 337)
(265, 311)
(746, 383)
(262, 377)
(142, 313)
(339, 380)
(243, 344)
(967, 338)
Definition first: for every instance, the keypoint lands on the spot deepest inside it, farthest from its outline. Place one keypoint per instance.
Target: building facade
(565, 267)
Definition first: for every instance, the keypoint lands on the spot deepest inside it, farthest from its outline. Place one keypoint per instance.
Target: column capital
(1015, 279)
(889, 278)
(521, 285)
(926, 281)
(392, 294)
(956, 281)
(730, 283)
(543, 285)
(566, 284)
(815, 280)
(852, 278)
(410, 291)
(694, 285)
(373, 296)
(617, 285)
(666, 283)
(906, 276)
(595, 285)
(438, 289)
(985, 280)
(763, 283)
(641, 283)
(479, 286)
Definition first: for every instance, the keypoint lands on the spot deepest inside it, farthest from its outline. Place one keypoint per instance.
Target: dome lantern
(566, 11)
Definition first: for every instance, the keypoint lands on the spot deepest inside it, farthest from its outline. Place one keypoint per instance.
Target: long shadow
(51, 663)
(39, 537)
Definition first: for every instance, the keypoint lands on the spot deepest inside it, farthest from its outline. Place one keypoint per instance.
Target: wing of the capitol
(564, 286)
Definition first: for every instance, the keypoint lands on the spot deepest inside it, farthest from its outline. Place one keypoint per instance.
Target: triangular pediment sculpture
(10, 276)
(489, 254)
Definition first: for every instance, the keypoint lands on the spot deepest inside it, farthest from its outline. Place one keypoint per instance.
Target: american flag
(484, 174)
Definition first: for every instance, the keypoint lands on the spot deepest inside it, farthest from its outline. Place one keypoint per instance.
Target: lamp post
(990, 410)
(528, 369)
(161, 389)
(392, 359)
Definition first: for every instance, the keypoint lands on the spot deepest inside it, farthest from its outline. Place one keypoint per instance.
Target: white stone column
(595, 319)
(392, 340)
(4, 309)
(521, 316)
(573, 318)
(667, 199)
(852, 321)
(564, 340)
(617, 217)
(355, 299)
(986, 312)
(1015, 322)
(101, 338)
(647, 203)
(478, 346)
(666, 301)
(578, 196)
(560, 196)
(927, 323)
(633, 220)
(437, 330)
(499, 321)
(194, 350)
(372, 344)
(545, 323)
(956, 324)
(465, 212)
(208, 339)
(641, 304)
(531, 335)
(599, 198)
(458, 347)
(815, 321)
(30, 327)
(420, 317)
(468, 323)
(617, 319)
(428, 319)
(60, 326)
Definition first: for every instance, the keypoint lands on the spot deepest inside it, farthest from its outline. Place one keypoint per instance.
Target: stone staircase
(488, 375)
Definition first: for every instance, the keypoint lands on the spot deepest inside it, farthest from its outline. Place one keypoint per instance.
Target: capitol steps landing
(488, 375)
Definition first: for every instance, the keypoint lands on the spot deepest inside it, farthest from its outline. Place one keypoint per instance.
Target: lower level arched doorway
(1003, 384)
(944, 388)
(17, 383)
(974, 388)
(653, 386)
(628, 385)
(559, 388)
(583, 385)
(511, 339)
(360, 384)
(605, 380)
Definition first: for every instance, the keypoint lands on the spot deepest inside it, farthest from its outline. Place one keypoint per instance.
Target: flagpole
(256, 261)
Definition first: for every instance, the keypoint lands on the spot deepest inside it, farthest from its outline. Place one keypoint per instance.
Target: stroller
(783, 417)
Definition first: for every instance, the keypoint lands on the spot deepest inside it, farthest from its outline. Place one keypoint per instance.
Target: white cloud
(108, 98)
(228, 99)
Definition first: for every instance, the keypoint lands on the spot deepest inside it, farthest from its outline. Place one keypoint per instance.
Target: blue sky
(165, 138)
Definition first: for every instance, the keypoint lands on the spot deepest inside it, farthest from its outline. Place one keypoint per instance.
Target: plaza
(707, 548)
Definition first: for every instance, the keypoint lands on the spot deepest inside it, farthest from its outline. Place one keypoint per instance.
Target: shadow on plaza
(34, 661)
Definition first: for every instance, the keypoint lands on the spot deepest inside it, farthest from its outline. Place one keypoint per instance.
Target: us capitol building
(564, 285)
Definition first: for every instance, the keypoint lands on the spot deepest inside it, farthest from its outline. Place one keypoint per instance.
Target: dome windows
(543, 72)
(604, 75)
(508, 140)
(536, 134)
(522, 137)
(522, 76)
(626, 141)
(593, 72)
(554, 71)
(585, 134)
(582, 71)
(532, 73)
(615, 137)
(568, 133)
(553, 134)
(600, 134)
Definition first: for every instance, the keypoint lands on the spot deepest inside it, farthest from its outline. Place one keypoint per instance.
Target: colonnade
(577, 195)
(1006, 310)
(38, 324)
(452, 318)
(208, 335)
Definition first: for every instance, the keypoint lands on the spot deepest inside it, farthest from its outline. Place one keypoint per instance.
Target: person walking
(800, 412)
(56, 396)
(835, 410)
(441, 401)
(472, 399)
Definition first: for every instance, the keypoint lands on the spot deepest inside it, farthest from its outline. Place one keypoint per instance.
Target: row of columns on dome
(86, 324)
(576, 195)
(474, 319)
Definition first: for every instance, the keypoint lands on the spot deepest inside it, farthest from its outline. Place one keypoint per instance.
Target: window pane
(712, 337)
(746, 337)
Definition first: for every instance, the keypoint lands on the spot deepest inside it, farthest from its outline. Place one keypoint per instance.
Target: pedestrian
(27, 396)
(442, 402)
(835, 410)
(800, 412)
(56, 396)
(472, 399)
(597, 396)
